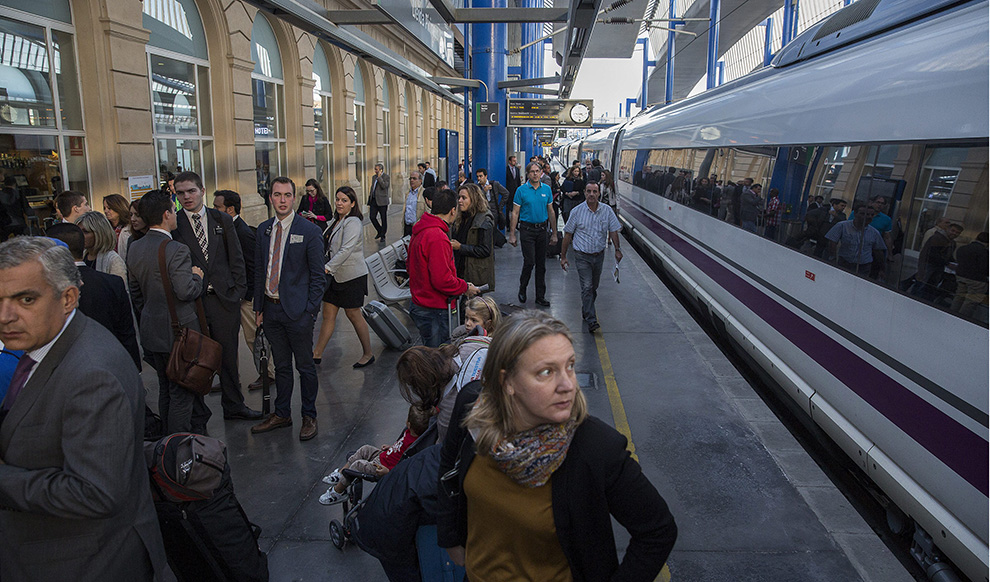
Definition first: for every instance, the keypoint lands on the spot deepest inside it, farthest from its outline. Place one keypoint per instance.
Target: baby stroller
(342, 532)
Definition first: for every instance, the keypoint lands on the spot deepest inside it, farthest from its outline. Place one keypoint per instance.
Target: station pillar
(490, 65)
(531, 62)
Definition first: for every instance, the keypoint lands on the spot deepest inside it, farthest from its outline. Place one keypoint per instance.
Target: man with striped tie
(288, 288)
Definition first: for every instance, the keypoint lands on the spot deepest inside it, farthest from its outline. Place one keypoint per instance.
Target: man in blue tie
(288, 288)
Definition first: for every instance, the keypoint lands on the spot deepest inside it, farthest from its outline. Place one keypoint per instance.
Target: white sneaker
(331, 497)
(333, 478)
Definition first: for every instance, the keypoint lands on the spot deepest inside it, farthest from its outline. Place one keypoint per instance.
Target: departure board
(549, 113)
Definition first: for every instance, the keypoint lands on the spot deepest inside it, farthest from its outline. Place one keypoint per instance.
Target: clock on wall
(580, 113)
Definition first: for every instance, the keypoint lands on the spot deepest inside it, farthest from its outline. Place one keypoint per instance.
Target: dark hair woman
(572, 192)
(116, 210)
(314, 205)
(527, 457)
(473, 240)
(348, 275)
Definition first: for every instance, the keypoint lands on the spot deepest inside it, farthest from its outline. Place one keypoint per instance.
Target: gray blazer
(148, 292)
(379, 193)
(345, 248)
(75, 503)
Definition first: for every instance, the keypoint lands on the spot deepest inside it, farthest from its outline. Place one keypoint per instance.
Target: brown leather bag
(195, 357)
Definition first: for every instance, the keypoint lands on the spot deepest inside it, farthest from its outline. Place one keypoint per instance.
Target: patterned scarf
(530, 457)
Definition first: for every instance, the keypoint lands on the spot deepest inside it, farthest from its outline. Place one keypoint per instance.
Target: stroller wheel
(337, 537)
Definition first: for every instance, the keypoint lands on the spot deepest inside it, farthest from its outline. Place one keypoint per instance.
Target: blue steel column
(714, 13)
(468, 162)
(531, 65)
(768, 43)
(668, 96)
(788, 23)
(488, 53)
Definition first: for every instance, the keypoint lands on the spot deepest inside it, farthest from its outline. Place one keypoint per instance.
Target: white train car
(884, 98)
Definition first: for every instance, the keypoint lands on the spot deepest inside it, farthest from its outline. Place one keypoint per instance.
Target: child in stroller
(374, 462)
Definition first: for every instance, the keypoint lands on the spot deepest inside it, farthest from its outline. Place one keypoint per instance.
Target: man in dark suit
(209, 234)
(229, 202)
(74, 497)
(378, 201)
(289, 281)
(103, 297)
(180, 409)
(513, 180)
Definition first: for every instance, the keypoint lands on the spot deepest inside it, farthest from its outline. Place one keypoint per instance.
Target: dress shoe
(259, 383)
(271, 423)
(522, 296)
(244, 414)
(543, 303)
(368, 363)
(308, 429)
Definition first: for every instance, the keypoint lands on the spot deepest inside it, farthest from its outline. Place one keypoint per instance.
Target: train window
(930, 204)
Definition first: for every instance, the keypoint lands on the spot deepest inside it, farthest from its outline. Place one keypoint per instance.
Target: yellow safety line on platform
(618, 410)
(619, 417)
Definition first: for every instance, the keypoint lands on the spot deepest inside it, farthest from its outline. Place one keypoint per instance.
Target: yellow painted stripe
(618, 410)
(619, 417)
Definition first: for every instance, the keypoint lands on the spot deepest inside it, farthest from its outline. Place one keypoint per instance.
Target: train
(883, 99)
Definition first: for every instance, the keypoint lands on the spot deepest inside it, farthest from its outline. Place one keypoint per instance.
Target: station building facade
(96, 92)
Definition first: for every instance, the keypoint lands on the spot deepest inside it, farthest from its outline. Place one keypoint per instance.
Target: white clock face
(580, 113)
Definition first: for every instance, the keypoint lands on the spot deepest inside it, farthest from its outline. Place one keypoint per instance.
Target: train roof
(926, 80)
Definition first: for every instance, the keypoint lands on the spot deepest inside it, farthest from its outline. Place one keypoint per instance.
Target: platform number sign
(486, 115)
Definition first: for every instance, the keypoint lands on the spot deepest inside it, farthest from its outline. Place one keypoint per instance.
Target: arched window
(360, 128)
(42, 142)
(269, 108)
(178, 65)
(323, 121)
(386, 126)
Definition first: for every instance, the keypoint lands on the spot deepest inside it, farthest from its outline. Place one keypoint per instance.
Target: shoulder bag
(195, 357)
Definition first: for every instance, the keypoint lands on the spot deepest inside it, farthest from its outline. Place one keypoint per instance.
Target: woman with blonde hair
(472, 238)
(100, 241)
(529, 481)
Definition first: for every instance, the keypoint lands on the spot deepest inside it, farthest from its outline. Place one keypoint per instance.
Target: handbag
(195, 357)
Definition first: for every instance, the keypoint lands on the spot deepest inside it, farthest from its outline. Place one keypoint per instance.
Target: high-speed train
(883, 98)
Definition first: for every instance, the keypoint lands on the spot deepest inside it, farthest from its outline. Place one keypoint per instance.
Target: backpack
(186, 466)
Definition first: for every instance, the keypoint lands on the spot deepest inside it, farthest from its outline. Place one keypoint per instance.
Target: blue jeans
(749, 225)
(292, 339)
(589, 268)
(433, 324)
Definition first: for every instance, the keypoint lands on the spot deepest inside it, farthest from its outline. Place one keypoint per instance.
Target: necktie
(18, 380)
(276, 261)
(201, 235)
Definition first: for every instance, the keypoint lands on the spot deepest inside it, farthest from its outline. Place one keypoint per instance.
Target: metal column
(715, 9)
(790, 21)
(668, 96)
(768, 43)
(468, 164)
(531, 63)
(489, 65)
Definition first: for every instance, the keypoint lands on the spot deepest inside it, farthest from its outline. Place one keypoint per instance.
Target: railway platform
(750, 503)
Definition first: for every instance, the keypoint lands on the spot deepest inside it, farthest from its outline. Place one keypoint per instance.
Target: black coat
(247, 237)
(597, 480)
(104, 298)
(224, 271)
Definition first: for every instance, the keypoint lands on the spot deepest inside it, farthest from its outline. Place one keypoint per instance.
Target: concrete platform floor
(749, 502)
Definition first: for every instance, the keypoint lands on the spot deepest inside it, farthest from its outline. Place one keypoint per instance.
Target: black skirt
(347, 295)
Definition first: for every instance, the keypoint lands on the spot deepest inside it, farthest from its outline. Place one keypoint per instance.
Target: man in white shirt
(413, 205)
(589, 227)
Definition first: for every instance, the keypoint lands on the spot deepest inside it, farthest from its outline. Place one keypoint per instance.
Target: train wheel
(337, 537)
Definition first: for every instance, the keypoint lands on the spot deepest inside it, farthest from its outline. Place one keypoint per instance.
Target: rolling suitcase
(386, 325)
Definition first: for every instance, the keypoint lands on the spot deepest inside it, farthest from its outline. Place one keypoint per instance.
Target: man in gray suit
(175, 404)
(378, 201)
(74, 496)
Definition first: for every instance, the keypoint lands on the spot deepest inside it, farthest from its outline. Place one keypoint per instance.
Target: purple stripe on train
(959, 448)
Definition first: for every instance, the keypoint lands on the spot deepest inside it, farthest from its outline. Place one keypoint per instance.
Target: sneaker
(331, 497)
(332, 478)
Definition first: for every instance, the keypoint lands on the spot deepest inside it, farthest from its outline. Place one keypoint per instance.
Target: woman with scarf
(529, 481)
(472, 239)
(314, 205)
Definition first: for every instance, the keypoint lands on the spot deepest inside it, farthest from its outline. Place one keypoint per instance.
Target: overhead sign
(549, 113)
(422, 20)
(486, 115)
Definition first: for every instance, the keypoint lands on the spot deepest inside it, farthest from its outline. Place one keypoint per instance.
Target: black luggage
(207, 540)
(386, 325)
